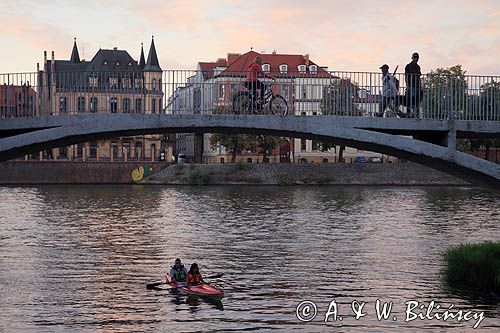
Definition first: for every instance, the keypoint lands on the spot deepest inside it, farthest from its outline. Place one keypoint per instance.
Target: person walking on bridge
(389, 91)
(414, 92)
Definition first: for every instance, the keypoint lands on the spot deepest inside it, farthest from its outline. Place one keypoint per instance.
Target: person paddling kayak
(178, 272)
(194, 276)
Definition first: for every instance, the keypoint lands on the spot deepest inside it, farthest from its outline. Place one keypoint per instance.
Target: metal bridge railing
(429, 96)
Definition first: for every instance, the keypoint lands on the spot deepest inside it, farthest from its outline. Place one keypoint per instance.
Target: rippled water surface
(77, 258)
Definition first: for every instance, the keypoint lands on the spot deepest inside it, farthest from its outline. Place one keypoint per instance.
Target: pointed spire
(75, 57)
(152, 65)
(142, 62)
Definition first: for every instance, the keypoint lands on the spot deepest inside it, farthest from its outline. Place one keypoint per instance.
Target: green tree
(266, 143)
(490, 101)
(236, 143)
(339, 98)
(445, 91)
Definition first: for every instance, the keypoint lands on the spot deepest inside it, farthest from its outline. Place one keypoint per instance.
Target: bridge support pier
(198, 147)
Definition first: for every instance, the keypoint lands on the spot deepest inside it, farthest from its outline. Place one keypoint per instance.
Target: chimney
(274, 52)
(306, 59)
(115, 48)
(45, 56)
(231, 57)
(52, 56)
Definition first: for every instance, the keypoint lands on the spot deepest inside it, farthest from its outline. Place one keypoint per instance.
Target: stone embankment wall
(302, 174)
(59, 172)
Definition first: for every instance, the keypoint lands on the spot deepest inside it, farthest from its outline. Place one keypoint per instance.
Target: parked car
(375, 159)
(360, 159)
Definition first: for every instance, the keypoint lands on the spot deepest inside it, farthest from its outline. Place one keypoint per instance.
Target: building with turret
(112, 82)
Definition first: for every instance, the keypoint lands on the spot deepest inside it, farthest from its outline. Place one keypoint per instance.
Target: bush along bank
(474, 265)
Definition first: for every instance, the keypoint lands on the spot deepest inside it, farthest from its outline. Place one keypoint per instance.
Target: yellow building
(112, 82)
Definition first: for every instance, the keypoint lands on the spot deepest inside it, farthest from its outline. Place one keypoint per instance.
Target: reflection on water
(76, 258)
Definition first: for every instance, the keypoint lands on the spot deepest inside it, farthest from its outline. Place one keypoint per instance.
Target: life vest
(194, 279)
(180, 274)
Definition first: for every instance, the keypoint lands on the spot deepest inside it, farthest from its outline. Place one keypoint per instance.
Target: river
(77, 258)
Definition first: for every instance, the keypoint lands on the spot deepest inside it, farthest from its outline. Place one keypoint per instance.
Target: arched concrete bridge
(433, 143)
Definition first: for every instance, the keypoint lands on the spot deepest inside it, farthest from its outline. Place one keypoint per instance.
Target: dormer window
(105, 62)
(283, 68)
(129, 63)
(266, 68)
(302, 68)
(117, 63)
(313, 69)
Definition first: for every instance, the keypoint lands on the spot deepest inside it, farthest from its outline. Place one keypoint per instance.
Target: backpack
(396, 82)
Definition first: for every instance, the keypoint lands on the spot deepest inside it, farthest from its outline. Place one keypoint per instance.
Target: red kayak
(204, 290)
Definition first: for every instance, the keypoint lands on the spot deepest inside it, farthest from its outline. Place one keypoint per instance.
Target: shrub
(474, 265)
(197, 176)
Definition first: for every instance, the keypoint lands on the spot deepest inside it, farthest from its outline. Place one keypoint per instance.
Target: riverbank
(302, 174)
(58, 172)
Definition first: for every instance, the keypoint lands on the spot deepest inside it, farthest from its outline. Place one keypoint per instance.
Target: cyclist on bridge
(253, 83)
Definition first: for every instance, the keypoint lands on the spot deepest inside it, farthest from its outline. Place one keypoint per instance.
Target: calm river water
(77, 258)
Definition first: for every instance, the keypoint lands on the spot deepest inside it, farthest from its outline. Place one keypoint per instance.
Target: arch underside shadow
(459, 164)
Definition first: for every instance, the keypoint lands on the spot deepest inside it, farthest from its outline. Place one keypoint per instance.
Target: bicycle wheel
(241, 102)
(278, 106)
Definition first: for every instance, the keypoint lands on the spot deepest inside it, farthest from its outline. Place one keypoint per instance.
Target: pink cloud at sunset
(343, 35)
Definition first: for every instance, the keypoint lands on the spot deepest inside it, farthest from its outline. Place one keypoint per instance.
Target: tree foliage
(445, 92)
(235, 143)
(339, 98)
(266, 143)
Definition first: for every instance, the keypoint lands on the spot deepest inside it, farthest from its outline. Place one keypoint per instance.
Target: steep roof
(75, 57)
(142, 62)
(240, 65)
(152, 64)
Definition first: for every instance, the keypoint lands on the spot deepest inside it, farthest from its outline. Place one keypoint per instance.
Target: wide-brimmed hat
(384, 66)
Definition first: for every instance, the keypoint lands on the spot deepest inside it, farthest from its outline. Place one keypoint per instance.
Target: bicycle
(242, 102)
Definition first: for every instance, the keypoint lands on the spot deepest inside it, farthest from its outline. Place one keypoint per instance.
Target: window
(81, 104)
(117, 63)
(266, 68)
(93, 150)
(138, 105)
(302, 68)
(113, 82)
(159, 84)
(105, 62)
(113, 105)
(63, 153)
(138, 150)
(62, 105)
(114, 149)
(313, 69)
(126, 83)
(93, 81)
(303, 91)
(159, 105)
(126, 149)
(79, 150)
(153, 85)
(138, 83)
(222, 90)
(153, 105)
(315, 145)
(93, 104)
(303, 145)
(283, 68)
(126, 105)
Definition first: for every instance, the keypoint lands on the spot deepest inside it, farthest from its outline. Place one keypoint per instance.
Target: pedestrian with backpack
(389, 91)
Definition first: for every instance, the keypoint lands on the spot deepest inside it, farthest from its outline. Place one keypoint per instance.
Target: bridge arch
(49, 133)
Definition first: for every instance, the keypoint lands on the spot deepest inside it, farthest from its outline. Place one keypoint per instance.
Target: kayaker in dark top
(178, 272)
(194, 276)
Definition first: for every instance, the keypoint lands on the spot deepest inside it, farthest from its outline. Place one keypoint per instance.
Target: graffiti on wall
(142, 172)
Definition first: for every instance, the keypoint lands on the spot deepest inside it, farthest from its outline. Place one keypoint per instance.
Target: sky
(345, 35)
